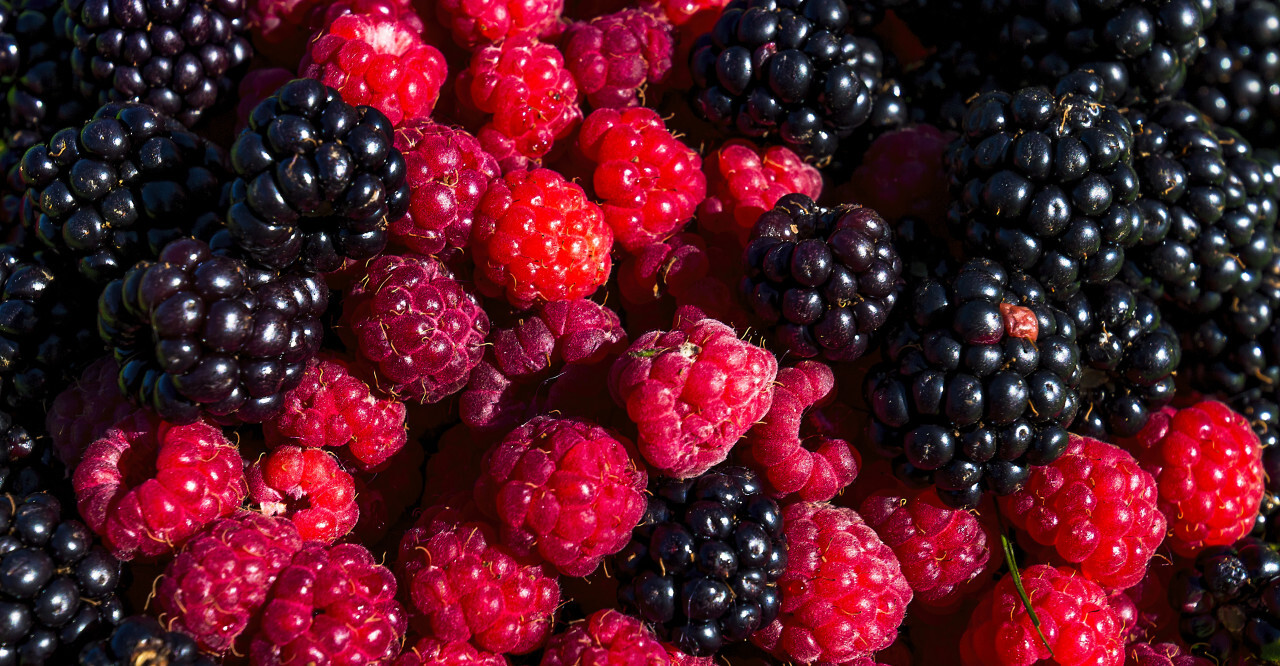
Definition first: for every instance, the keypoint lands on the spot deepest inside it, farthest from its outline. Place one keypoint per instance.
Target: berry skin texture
(1074, 616)
(607, 638)
(330, 606)
(148, 486)
(538, 238)
(277, 24)
(692, 392)
(431, 652)
(1207, 464)
(479, 22)
(221, 578)
(448, 173)
(1161, 654)
(1096, 508)
(565, 489)
(903, 174)
(649, 182)
(85, 410)
(379, 62)
(837, 568)
(745, 180)
(307, 486)
(612, 57)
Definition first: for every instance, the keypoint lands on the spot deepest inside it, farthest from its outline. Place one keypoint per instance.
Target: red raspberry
(945, 553)
(607, 638)
(1151, 618)
(221, 578)
(382, 497)
(578, 331)
(794, 460)
(448, 173)
(680, 12)
(1208, 467)
(679, 658)
(279, 26)
(1097, 510)
(613, 56)
(650, 183)
(538, 238)
(903, 174)
(475, 22)
(1074, 617)
(307, 486)
(421, 330)
(330, 606)
(837, 570)
(692, 392)
(566, 489)
(470, 588)
(1161, 654)
(148, 486)
(86, 409)
(529, 97)
(378, 62)
(256, 86)
(431, 652)
(674, 266)
(745, 180)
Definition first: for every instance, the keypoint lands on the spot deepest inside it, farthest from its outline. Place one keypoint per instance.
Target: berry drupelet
(1236, 351)
(1228, 602)
(35, 55)
(141, 639)
(703, 565)
(1234, 81)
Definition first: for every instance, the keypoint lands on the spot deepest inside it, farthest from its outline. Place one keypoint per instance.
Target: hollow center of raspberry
(138, 462)
(388, 37)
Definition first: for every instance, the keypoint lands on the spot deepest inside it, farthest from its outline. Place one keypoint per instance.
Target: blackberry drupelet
(141, 641)
(194, 332)
(702, 566)
(319, 180)
(1044, 181)
(825, 279)
(35, 66)
(978, 385)
(1229, 602)
(1236, 81)
(789, 69)
(114, 191)
(182, 57)
(939, 88)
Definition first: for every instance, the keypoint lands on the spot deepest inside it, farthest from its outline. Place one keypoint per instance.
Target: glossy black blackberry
(141, 641)
(319, 179)
(1229, 602)
(979, 383)
(702, 566)
(1044, 181)
(787, 69)
(1236, 81)
(57, 584)
(1236, 351)
(114, 191)
(1128, 354)
(825, 279)
(180, 56)
(35, 68)
(194, 332)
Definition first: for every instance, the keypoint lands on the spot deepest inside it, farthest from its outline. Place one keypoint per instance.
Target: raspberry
(903, 174)
(528, 96)
(680, 12)
(679, 658)
(147, 486)
(221, 577)
(380, 62)
(538, 237)
(277, 25)
(944, 552)
(431, 652)
(650, 182)
(566, 489)
(1097, 510)
(813, 466)
(307, 486)
(672, 266)
(745, 180)
(1207, 464)
(612, 57)
(470, 588)
(1161, 654)
(837, 569)
(607, 638)
(577, 331)
(692, 392)
(1153, 617)
(330, 606)
(418, 327)
(331, 408)
(383, 497)
(477, 22)
(85, 410)
(448, 173)
(1074, 616)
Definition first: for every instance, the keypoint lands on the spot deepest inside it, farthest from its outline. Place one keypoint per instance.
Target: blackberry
(825, 279)
(57, 585)
(789, 69)
(196, 332)
(979, 383)
(1045, 182)
(702, 566)
(180, 56)
(114, 191)
(27, 464)
(141, 641)
(35, 66)
(319, 179)
(939, 88)
(1236, 81)
(1229, 602)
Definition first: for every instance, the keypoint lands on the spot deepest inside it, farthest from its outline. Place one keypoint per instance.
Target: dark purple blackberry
(1236, 81)
(1229, 602)
(787, 69)
(1237, 349)
(702, 566)
(825, 279)
(319, 179)
(979, 383)
(1044, 181)
(141, 641)
(35, 68)
(113, 192)
(180, 56)
(194, 332)
(938, 89)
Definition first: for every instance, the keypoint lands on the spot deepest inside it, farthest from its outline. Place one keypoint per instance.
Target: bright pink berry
(903, 174)
(612, 57)
(307, 486)
(431, 652)
(679, 658)
(478, 22)
(147, 486)
(448, 173)
(280, 26)
(745, 180)
(680, 12)
(607, 638)
(85, 410)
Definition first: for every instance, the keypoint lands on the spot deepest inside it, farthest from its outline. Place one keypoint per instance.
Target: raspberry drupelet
(607, 638)
(614, 56)
(745, 180)
(277, 24)
(309, 487)
(85, 410)
(478, 22)
(432, 652)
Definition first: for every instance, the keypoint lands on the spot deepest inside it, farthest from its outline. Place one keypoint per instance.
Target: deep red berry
(1161, 654)
(745, 180)
(383, 496)
(455, 467)
(85, 410)
(612, 57)
(607, 638)
(903, 174)
(431, 652)
(448, 173)
(307, 486)
(281, 26)
(477, 22)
